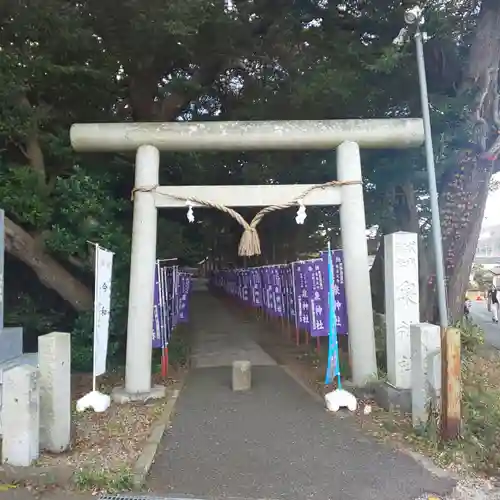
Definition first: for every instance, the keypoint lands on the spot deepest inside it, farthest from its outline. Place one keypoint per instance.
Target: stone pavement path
(273, 442)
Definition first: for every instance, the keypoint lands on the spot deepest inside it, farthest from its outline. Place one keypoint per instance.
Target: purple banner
(157, 341)
(297, 291)
(291, 300)
(184, 292)
(319, 298)
(338, 289)
(170, 302)
(301, 294)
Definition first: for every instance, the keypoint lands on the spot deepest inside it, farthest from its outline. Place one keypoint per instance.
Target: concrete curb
(302, 384)
(38, 477)
(143, 464)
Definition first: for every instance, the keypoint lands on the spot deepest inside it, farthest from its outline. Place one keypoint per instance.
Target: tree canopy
(63, 62)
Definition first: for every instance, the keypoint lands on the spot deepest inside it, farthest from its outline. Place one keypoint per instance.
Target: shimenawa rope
(249, 242)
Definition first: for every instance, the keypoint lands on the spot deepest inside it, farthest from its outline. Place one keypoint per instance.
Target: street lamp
(414, 17)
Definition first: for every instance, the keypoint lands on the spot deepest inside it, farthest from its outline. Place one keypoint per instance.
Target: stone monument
(11, 339)
(54, 355)
(401, 311)
(20, 414)
(425, 370)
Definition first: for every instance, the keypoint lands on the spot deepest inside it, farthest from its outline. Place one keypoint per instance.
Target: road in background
(481, 316)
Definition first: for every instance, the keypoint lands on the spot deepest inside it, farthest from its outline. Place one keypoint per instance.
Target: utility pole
(450, 337)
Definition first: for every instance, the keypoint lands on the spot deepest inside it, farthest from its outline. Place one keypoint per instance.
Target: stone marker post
(425, 345)
(20, 416)
(401, 304)
(242, 375)
(54, 359)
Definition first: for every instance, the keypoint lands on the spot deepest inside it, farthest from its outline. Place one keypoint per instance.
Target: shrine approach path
(273, 442)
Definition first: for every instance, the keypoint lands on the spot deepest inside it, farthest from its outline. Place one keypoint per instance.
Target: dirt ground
(111, 440)
(104, 447)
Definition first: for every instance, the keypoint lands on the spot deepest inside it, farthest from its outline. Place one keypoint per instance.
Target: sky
(492, 211)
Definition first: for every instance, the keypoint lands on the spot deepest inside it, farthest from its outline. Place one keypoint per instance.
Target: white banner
(102, 302)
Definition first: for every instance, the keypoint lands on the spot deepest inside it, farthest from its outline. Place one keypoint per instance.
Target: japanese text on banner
(104, 272)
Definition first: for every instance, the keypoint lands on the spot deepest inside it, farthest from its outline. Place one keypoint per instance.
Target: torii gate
(148, 139)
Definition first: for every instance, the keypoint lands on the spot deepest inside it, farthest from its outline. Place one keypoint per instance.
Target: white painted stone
(425, 344)
(54, 354)
(401, 304)
(20, 416)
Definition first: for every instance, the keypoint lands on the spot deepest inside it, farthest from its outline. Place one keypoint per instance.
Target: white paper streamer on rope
(190, 213)
(301, 213)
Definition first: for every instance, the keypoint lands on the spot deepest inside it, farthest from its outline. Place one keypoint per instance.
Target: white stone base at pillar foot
(120, 396)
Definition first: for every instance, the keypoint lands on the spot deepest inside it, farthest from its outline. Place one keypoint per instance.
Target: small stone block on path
(242, 375)
(20, 416)
(54, 358)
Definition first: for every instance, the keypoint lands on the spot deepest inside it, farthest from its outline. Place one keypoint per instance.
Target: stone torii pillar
(148, 139)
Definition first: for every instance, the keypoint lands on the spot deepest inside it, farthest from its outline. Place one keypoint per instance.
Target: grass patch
(178, 349)
(478, 447)
(110, 481)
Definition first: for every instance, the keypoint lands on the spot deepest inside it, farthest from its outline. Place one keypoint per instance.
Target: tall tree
(65, 61)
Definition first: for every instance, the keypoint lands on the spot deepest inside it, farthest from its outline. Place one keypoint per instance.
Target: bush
(380, 343)
(178, 348)
(471, 336)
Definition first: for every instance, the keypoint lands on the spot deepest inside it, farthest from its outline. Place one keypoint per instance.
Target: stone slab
(391, 398)
(120, 396)
(54, 357)
(25, 359)
(11, 343)
(401, 303)
(20, 416)
(425, 345)
(242, 376)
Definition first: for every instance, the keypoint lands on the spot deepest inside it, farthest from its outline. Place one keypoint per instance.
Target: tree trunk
(464, 189)
(462, 205)
(23, 247)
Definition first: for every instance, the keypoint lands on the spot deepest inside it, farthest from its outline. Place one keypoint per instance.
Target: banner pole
(295, 306)
(96, 312)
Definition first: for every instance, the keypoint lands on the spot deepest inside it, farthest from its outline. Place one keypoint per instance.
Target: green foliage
(479, 442)
(32, 316)
(87, 210)
(23, 197)
(481, 277)
(380, 343)
(471, 336)
(190, 59)
(111, 481)
(178, 348)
